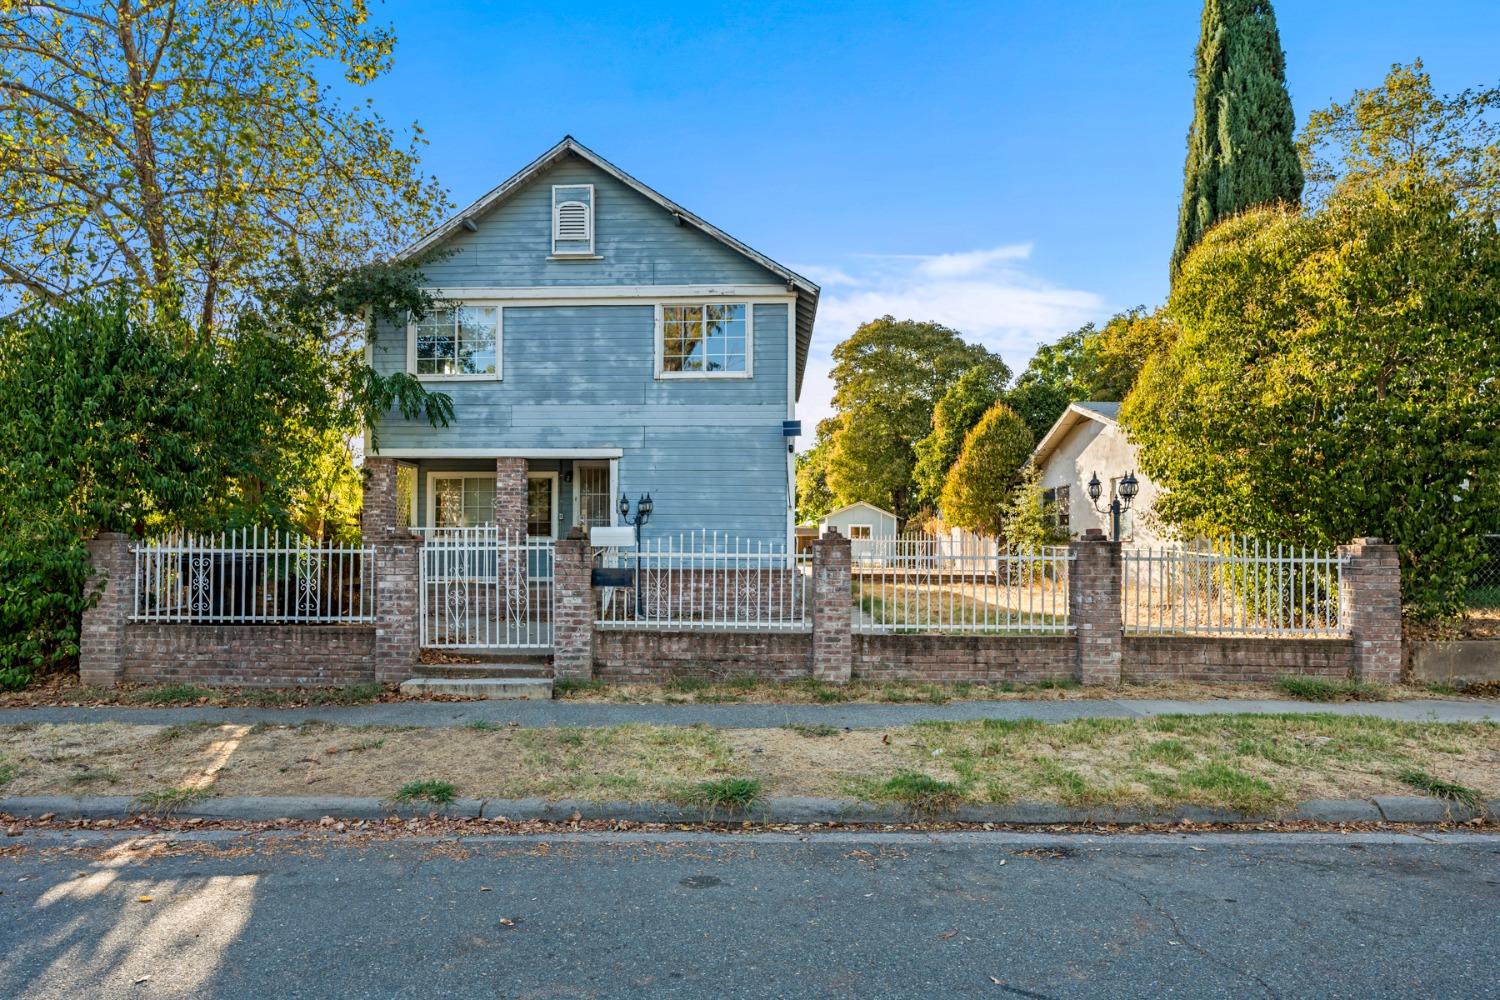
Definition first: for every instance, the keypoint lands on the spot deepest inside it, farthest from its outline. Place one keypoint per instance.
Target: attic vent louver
(572, 220)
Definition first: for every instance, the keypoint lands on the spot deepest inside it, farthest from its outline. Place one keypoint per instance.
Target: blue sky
(1009, 168)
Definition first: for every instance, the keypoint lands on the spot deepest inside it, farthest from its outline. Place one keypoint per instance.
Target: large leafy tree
(1335, 377)
(977, 492)
(888, 377)
(1241, 151)
(955, 415)
(116, 416)
(178, 146)
(1403, 132)
(1099, 363)
(814, 498)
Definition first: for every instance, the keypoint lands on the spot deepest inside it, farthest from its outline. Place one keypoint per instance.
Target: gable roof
(858, 503)
(807, 292)
(1076, 413)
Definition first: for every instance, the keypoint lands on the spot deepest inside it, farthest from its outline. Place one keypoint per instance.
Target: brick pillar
(377, 518)
(573, 609)
(1094, 607)
(510, 497)
(101, 640)
(1370, 608)
(397, 639)
(832, 609)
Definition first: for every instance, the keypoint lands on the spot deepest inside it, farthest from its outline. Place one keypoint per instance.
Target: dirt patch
(1260, 763)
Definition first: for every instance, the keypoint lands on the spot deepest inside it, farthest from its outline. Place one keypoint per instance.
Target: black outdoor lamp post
(1125, 496)
(643, 508)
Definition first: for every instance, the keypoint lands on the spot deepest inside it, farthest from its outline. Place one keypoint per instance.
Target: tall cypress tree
(1241, 150)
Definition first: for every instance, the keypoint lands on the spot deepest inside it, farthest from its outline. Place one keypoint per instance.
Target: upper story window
(572, 220)
(461, 342)
(703, 341)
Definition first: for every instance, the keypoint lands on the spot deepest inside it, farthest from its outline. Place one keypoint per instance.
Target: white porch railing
(252, 575)
(938, 585)
(1234, 585)
(708, 580)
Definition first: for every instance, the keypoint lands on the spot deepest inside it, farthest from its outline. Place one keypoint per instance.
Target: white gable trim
(859, 503)
(1074, 415)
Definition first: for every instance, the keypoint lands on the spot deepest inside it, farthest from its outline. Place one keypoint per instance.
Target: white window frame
(455, 304)
(870, 528)
(556, 211)
(661, 344)
(433, 475)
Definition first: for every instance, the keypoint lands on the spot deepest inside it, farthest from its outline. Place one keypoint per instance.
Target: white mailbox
(616, 538)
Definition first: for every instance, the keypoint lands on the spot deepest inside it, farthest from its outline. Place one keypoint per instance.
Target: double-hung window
(709, 340)
(460, 342)
(463, 501)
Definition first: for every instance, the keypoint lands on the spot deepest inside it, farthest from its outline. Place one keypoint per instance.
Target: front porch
(531, 497)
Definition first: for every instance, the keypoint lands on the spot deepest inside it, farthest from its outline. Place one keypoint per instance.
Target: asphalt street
(723, 915)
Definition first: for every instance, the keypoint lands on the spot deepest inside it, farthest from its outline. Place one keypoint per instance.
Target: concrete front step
(464, 671)
(493, 688)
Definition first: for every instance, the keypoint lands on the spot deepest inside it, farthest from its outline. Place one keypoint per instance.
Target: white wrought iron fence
(481, 588)
(1233, 585)
(707, 580)
(252, 575)
(948, 585)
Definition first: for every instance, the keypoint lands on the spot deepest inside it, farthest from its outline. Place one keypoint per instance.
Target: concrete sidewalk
(543, 714)
(791, 810)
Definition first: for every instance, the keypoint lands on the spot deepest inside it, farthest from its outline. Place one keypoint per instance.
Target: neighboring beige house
(1087, 440)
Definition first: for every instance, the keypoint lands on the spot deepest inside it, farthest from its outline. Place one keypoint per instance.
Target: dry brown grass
(1252, 762)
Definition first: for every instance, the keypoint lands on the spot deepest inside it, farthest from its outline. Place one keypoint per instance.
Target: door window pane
(539, 516)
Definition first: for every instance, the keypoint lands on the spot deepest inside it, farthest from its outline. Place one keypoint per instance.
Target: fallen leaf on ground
(143, 899)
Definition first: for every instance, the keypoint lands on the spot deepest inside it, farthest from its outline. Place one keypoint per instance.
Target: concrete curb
(789, 810)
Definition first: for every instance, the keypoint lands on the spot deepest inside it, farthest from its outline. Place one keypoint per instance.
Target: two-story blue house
(598, 340)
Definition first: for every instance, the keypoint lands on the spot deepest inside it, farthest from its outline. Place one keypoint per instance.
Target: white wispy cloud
(988, 295)
(960, 265)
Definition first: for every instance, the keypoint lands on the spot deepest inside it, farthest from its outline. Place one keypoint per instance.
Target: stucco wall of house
(1095, 446)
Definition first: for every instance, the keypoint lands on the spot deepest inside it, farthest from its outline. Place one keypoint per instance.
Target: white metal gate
(482, 590)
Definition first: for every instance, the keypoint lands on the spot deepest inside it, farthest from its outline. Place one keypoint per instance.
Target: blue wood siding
(637, 240)
(709, 451)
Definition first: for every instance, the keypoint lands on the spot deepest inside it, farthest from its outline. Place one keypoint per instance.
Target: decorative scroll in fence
(252, 575)
(481, 588)
(1233, 585)
(948, 585)
(708, 580)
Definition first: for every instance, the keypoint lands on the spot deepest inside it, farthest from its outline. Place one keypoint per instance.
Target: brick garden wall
(651, 656)
(1232, 660)
(952, 658)
(248, 655)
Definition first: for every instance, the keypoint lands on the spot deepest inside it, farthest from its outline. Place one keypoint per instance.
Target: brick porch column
(101, 640)
(397, 637)
(1094, 607)
(1370, 608)
(832, 609)
(510, 497)
(572, 609)
(377, 517)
